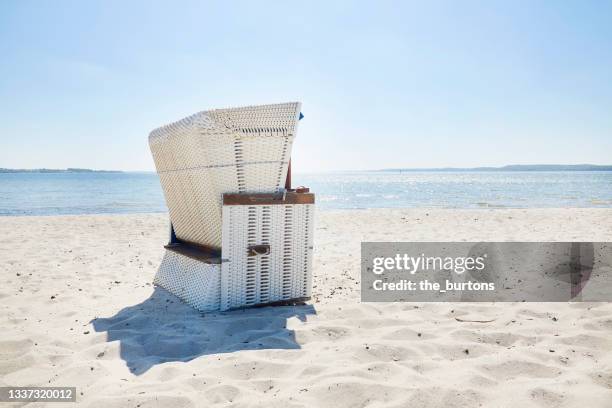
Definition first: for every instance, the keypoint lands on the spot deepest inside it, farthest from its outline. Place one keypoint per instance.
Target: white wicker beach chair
(240, 236)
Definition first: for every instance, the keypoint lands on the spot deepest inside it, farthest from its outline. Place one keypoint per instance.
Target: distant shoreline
(68, 170)
(514, 167)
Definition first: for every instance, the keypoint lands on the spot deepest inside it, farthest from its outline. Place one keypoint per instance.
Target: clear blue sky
(383, 84)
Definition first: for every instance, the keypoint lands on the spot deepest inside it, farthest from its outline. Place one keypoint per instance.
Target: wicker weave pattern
(285, 273)
(197, 283)
(221, 151)
(243, 280)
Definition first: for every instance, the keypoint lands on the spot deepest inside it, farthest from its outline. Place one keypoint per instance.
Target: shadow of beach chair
(162, 329)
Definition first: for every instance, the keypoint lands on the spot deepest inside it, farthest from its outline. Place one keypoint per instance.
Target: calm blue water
(79, 193)
(94, 193)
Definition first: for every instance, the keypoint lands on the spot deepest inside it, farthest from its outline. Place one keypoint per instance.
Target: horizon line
(508, 167)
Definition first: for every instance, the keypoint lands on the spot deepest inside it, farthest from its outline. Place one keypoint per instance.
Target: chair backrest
(210, 153)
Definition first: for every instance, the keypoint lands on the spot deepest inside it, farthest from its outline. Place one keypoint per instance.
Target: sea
(140, 192)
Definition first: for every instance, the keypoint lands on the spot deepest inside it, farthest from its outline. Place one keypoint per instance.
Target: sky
(383, 84)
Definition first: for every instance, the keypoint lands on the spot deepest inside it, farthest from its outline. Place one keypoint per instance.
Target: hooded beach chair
(239, 235)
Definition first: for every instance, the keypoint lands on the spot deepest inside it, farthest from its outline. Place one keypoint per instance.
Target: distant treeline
(519, 167)
(68, 170)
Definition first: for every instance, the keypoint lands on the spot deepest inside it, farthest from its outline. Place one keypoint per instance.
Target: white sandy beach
(77, 308)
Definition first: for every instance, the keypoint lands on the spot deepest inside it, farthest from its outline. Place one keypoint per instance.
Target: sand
(77, 308)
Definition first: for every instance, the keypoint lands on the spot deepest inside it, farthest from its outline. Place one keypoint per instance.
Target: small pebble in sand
(86, 332)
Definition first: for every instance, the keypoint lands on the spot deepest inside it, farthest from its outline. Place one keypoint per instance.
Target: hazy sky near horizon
(383, 84)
